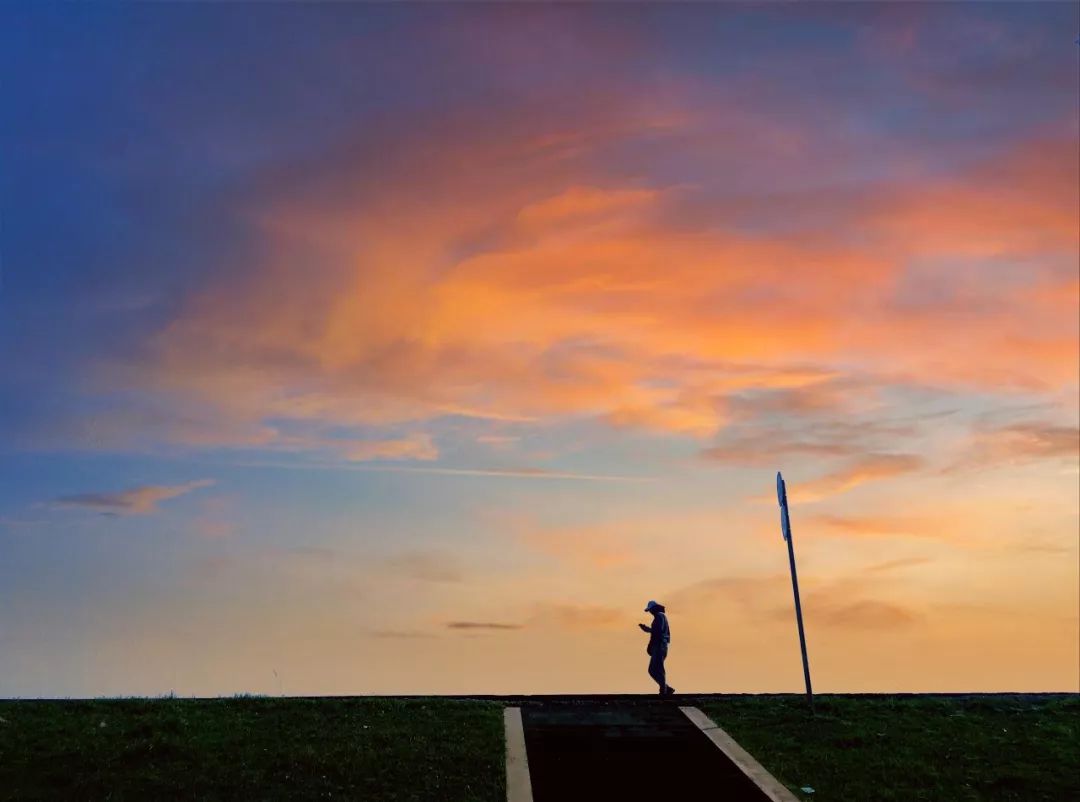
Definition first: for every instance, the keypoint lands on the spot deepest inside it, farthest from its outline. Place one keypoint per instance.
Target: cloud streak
(497, 473)
(578, 617)
(425, 567)
(766, 600)
(863, 614)
(868, 468)
(594, 548)
(417, 446)
(142, 500)
(880, 525)
(893, 565)
(1020, 443)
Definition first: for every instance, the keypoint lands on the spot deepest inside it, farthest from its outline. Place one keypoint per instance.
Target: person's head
(654, 607)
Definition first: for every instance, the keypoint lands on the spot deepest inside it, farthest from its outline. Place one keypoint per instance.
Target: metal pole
(781, 492)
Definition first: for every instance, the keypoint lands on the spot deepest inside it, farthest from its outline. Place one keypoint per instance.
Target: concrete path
(596, 751)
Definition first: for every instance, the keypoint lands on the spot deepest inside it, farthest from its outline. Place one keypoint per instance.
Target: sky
(369, 349)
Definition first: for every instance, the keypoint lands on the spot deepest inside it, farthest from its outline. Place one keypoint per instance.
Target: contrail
(510, 473)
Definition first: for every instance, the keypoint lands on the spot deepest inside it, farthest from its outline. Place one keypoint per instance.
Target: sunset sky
(412, 349)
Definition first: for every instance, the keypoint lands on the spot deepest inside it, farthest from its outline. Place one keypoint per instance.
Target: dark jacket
(659, 632)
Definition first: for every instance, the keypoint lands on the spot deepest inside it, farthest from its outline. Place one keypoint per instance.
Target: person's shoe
(669, 691)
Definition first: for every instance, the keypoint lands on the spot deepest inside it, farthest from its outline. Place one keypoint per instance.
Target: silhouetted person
(659, 638)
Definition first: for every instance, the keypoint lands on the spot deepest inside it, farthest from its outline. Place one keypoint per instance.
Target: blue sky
(329, 328)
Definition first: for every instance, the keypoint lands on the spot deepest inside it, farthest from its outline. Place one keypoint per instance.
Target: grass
(1007, 747)
(1021, 747)
(252, 748)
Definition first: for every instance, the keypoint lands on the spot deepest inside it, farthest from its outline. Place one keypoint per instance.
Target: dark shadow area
(587, 750)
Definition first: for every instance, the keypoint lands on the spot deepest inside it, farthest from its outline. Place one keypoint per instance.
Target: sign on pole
(785, 525)
(781, 497)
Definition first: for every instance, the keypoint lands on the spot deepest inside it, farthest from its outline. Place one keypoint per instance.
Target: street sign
(785, 528)
(781, 497)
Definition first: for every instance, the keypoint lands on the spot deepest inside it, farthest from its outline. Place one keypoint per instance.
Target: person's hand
(643, 628)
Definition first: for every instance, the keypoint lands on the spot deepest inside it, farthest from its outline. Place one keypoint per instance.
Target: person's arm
(645, 628)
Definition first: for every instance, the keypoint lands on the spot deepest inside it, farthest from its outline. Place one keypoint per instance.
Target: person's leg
(656, 669)
(667, 690)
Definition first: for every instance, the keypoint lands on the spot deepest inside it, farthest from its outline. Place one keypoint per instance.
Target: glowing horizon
(412, 349)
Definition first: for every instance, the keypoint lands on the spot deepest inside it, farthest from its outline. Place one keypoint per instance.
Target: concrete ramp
(624, 752)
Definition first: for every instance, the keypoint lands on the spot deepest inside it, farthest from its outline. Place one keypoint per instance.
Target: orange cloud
(865, 469)
(1024, 203)
(495, 278)
(880, 525)
(584, 205)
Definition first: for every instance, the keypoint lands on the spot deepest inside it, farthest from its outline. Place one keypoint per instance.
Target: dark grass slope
(1022, 747)
(904, 747)
(252, 748)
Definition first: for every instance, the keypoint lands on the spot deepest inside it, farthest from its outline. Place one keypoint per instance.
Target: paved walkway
(603, 752)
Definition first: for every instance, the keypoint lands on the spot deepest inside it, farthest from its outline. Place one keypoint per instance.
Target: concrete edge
(775, 790)
(518, 781)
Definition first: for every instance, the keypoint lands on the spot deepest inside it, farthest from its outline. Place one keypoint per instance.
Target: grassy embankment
(252, 748)
(1021, 747)
(1016, 747)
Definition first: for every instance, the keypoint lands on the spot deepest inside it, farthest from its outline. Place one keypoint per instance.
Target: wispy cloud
(141, 500)
(880, 525)
(498, 440)
(762, 600)
(578, 616)
(825, 420)
(1019, 443)
(20, 523)
(216, 519)
(424, 566)
(481, 625)
(869, 468)
(507, 473)
(1042, 545)
(893, 565)
(417, 446)
(314, 553)
(859, 614)
(591, 547)
(750, 592)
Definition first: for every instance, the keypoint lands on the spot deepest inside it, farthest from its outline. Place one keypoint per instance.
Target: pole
(785, 523)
